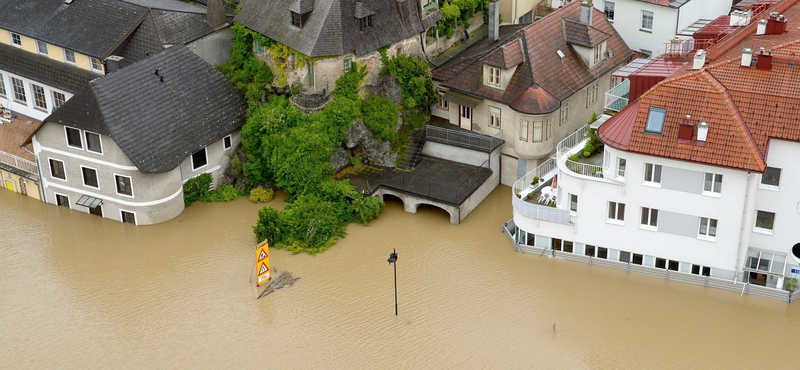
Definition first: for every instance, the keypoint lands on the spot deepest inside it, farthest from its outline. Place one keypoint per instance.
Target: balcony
(617, 97)
(570, 160)
(525, 195)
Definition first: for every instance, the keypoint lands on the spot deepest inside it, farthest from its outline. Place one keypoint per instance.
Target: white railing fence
(21, 163)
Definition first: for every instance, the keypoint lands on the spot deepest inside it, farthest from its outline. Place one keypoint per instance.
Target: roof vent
(761, 29)
(67, 1)
(702, 132)
(747, 57)
(560, 53)
(699, 59)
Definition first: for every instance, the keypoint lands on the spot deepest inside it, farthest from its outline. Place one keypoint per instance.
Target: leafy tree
(380, 115)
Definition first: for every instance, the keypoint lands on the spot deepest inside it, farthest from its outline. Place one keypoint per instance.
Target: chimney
(702, 132)
(699, 59)
(586, 13)
(113, 63)
(494, 20)
(780, 25)
(747, 57)
(761, 29)
(215, 13)
(771, 21)
(764, 61)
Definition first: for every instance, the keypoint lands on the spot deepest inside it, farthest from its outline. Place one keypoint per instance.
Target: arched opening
(433, 211)
(393, 201)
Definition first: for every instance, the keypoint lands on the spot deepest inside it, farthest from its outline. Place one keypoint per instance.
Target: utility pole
(393, 261)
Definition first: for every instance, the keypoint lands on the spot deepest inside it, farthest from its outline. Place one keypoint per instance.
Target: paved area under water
(81, 292)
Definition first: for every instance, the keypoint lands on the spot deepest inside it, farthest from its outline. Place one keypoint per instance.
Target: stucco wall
(215, 48)
(31, 187)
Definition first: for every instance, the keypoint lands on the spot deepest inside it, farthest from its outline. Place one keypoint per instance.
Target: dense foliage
(245, 71)
(197, 187)
(261, 195)
(380, 115)
(458, 12)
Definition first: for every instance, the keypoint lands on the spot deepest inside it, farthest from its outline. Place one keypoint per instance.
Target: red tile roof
(580, 34)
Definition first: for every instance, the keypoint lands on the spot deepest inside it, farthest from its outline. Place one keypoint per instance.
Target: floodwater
(79, 292)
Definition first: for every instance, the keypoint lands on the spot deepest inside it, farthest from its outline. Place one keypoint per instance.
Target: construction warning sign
(262, 262)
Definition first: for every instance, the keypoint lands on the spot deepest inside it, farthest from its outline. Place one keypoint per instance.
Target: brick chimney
(215, 13)
(586, 12)
(494, 20)
(764, 61)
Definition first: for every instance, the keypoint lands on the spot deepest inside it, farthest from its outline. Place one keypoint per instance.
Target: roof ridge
(756, 155)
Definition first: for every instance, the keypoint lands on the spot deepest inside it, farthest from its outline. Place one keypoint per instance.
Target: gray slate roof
(180, 27)
(175, 5)
(91, 27)
(44, 70)
(332, 28)
(158, 124)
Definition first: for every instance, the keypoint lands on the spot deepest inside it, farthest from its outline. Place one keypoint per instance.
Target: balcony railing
(540, 212)
(20, 163)
(574, 144)
(544, 171)
(466, 139)
(617, 97)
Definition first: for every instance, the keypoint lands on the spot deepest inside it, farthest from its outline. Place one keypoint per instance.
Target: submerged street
(79, 291)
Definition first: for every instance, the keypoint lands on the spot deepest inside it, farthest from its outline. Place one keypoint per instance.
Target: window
(652, 173)
(598, 54)
(602, 252)
(701, 270)
(199, 159)
(655, 120)
(41, 47)
(466, 112)
(89, 177)
(57, 169)
(568, 246)
(19, 90)
(39, 99)
(591, 94)
(523, 130)
(129, 217)
(573, 202)
(93, 143)
(348, 64)
(62, 200)
(765, 220)
(74, 137)
(616, 211)
(2, 86)
(365, 22)
(647, 21)
(97, 66)
(123, 185)
(537, 131)
(708, 227)
(608, 9)
(549, 129)
(673, 265)
(69, 56)
(494, 117)
(649, 217)
(598, 252)
(564, 112)
(58, 99)
(771, 177)
(494, 76)
(226, 142)
(621, 163)
(299, 20)
(764, 261)
(624, 256)
(638, 259)
(443, 104)
(712, 183)
(661, 263)
(259, 48)
(16, 39)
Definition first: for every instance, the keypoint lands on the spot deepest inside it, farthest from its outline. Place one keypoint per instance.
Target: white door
(466, 117)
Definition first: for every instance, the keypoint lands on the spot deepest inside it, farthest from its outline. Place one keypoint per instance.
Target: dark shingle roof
(44, 70)
(179, 27)
(158, 124)
(333, 28)
(91, 27)
(144, 43)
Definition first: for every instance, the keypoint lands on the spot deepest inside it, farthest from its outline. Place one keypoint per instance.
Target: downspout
(678, 21)
(39, 170)
(743, 228)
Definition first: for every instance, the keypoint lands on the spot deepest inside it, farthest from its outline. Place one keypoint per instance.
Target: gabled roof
(177, 28)
(333, 28)
(158, 124)
(542, 74)
(580, 34)
(44, 70)
(92, 27)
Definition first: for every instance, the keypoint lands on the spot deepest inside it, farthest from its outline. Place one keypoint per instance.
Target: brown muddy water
(80, 292)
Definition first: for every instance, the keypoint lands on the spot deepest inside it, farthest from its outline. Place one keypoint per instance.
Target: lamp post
(393, 261)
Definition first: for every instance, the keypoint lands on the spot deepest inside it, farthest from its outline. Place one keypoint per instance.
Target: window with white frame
(69, 56)
(621, 163)
(129, 217)
(494, 117)
(573, 202)
(16, 39)
(19, 90)
(97, 66)
(598, 54)
(443, 104)
(227, 142)
(74, 137)
(708, 227)
(41, 47)
(39, 97)
(712, 183)
(347, 64)
(58, 99)
(124, 185)
(591, 94)
(2, 86)
(652, 173)
(616, 211)
(57, 169)
(564, 112)
(647, 21)
(89, 177)
(537, 131)
(494, 76)
(771, 177)
(701, 270)
(608, 10)
(93, 143)
(523, 130)
(765, 261)
(765, 220)
(549, 129)
(649, 217)
(199, 159)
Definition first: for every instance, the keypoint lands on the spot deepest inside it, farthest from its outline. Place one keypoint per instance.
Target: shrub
(380, 115)
(196, 189)
(535, 180)
(366, 209)
(261, 195)
(224, 193)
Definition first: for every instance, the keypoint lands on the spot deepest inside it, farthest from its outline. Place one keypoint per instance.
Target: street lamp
(392, 261)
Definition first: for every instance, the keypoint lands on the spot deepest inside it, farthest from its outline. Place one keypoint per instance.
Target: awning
(461, 99)
(89, 202)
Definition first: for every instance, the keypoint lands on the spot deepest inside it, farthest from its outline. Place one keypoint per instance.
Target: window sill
(94, 151)
(40, 109)
(93, 187)
(612, 221)
(75, 147)
(649, 184)
(711, 194)
(125, 195)
(648, 228)
(712, 239)
(21, 102)
(58, 178)
(763, 231)
(645, 30)
(769, 187)
(15, 45)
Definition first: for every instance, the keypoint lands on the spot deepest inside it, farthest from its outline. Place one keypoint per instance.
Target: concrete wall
(215, 48)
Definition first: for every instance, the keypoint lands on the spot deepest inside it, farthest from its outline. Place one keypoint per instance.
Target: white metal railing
(543, 172)
(586, 170)
(540, 212)
(21, 163)
(571, 141)
(617, 97)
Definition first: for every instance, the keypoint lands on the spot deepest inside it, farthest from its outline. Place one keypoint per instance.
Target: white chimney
(747, 57)
(586, 13)
(702, 131)
(494, 20)
(761, 29)
(699, 59)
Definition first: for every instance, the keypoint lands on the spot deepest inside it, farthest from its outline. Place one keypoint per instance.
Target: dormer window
(365, 22)
(299, 20)
(493, 77)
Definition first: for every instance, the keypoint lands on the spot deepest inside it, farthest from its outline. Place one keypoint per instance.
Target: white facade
(646, 27)
(23, 95)
(701, 225)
